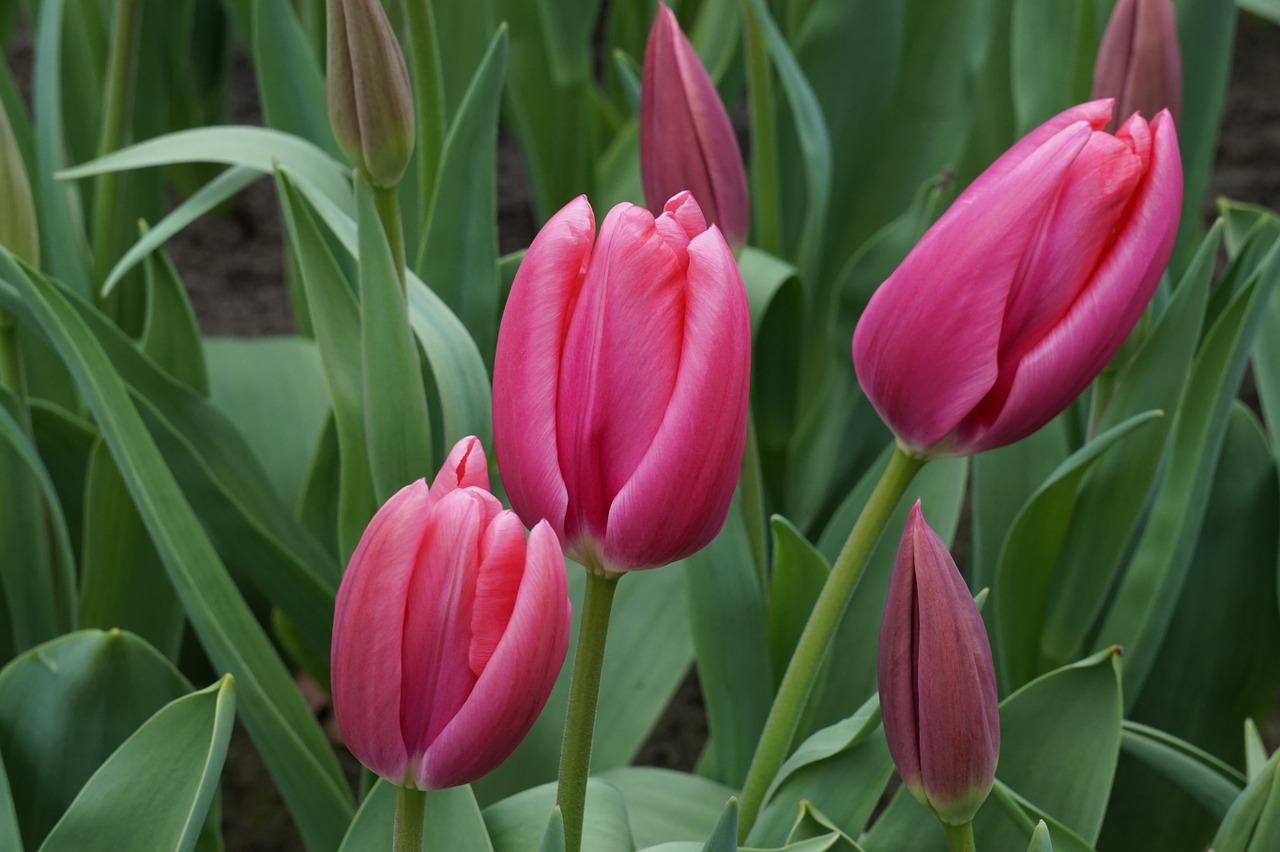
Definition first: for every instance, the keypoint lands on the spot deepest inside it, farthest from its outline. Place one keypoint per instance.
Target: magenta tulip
(1023, 290)
(449, 632)
(937, 684)
(620, 383)
(1139, 61)
(686, 138)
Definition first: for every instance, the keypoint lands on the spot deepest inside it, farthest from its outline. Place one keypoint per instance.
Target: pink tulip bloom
(1023, 290)
(686, 138)
(937, 683)
(1139, 61)
(620, 383)
(449, 632)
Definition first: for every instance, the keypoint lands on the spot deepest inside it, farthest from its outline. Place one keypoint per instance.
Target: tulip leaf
(1024, 572)
(666, 806)
(517, 823)
(1052, 57)
(1028, 816)
(458, 253)
(1214, 785)
(1255, 750)
(286, 733)
(374, 824)
(798, 575)
(567, 28)
(1269, 9)
(451, 818)
(290, 81)
(553, 840)
(1254, 818)
(728, 623)
(776, 296)
(10, 833)
(46, 695)
(724, 836)
(170, 335)
(1145, 601)
(164, 777)
(1040, 839)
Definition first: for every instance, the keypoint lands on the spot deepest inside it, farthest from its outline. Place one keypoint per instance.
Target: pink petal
(685, 482)
(896, 663)
(526, 370)
(619, 365)
(466, 467)
(368, 631)
(514, 686)
(502, 563)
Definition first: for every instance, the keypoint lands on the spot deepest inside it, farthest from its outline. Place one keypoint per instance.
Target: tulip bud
(370, 98)
(17, 211)
(450, 629)
(686, 139)
(620, 383)
(1139, 63)
(937, 683)
(1023, 290)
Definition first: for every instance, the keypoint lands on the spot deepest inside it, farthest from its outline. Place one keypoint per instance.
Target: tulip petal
(897, 661)
(526, 370)
(368, 632)
(926, 336)
(619, 365)
(466, 467)
(518, 678)
(1079, 346)
(694, 458)
(501, 564)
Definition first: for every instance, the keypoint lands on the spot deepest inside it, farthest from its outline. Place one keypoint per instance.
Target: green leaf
(1031, 549)
(114, 679)
(1052, 57)
(724, 837)
(1269, 9)
(458, 254)
(1253, 822)
(10, 833)
(665, 806)
(1210, 782)
(1145, 601)
(170, 335)
(1255, 751)
(398, 431)
(517, 823)
(776, 296)
(374, 824)
(286, 733)
(799, 573)
(163, 778)
(567, 28)
(451, 817)
(553, 840)
(1040, 840)
(290, 82)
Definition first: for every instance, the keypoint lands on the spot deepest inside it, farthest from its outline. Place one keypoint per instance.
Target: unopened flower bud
(1139, 63)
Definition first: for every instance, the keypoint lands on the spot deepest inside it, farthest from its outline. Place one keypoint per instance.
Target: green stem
(766, 207)
(797, 683)
(410, 806)
(116, 107)
(584, 691)
(959, 837)
(387, 203)
(428, 99)
(11, 375)
(751, 487)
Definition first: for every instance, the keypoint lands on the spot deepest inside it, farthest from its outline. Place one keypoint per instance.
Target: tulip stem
(959, 837)
(584, 691)
(764, 139)
(828, 610)
(387, 202)
(410, 806)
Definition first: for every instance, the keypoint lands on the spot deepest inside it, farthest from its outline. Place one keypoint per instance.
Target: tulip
(620, 383)
(1023, 290)
(449, 631)
(367, 84)
(686, 138)
(1139, 63)
(937, 683)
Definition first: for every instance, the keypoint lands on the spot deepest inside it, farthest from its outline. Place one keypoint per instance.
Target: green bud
(370, 97)
(18, 230)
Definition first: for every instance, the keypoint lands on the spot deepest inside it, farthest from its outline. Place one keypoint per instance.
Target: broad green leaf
(458, 253)
(374, 823)
(776, 296)
(1145, 602)
(1253, 822)
(10, 833)
(1211, 783)
(567, 28)
(724, 836)
(1269, 9)
(1053, 50)
(64, 441)
(286, 733)
(518, 823)
(155, 790)
(1040, 840)
(398, 432)
(648, 653)
(170, 335)
(553, 840)
(812, 824)
(451, 819)
(665, 806)
(273, 389)
(1027, 815)
(1255, 751)
(1023, 575)
(123, 582)
(290, 82)
(114, 679)
(799, 573)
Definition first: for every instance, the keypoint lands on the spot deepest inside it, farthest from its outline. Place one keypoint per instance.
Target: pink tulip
(1023, 290)
(686, 138)
(937, 684)
(620, 383)
(1139, 62)
(450, 630)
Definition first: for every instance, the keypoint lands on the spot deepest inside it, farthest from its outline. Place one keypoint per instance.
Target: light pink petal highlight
(466, 467)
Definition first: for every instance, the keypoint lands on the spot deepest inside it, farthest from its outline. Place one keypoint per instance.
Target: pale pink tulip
(686, 138)
(1139, 61)
(1023, 290)
(449, 632)
(937, 683)
(620, 383)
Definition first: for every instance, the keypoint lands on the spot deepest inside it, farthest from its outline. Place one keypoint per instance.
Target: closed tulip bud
(1139, 62)
(17, 211)
(1023, 290)
(686, 138)
(620, 383)
(937, 684)
(367, 83)
(449, 631)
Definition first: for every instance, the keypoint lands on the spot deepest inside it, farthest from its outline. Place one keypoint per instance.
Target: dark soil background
(234, 270)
